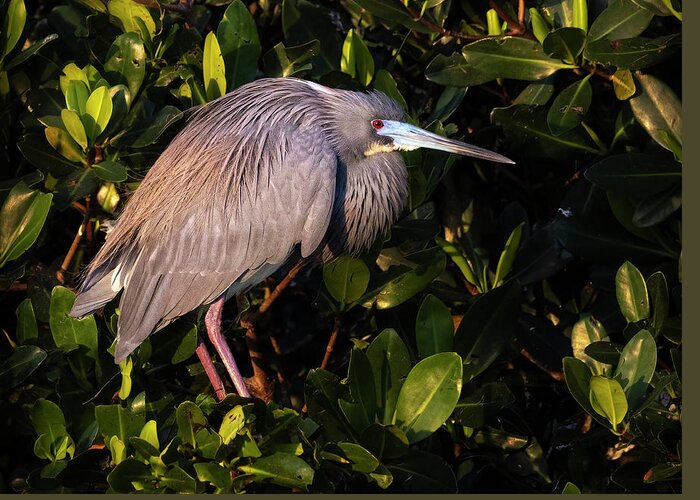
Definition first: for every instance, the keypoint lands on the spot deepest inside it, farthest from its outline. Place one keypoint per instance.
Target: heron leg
(210, 370)
(213, 322)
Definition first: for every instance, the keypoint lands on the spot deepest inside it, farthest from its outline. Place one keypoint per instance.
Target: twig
(281, 286)
(16, 287)
(258, 384)
(558, 376)
(521, 12)
(331, 343)
(60, 274)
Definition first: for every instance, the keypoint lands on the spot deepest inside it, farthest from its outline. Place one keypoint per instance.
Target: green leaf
(451, 71)
(585, 332)
(632, 53)
(125, 368)
(76, 94)
(657, 7)
(662, 472)
(486, 327)
(631, 291)
(288, 61)
(27, 329)
(570, 107)
(130, 475)
(213, 68)
(240, 46)
(115, 420)
(98, 111)
(580, 13)
(505, 261)
(384, 82)
(623, 84)
(636, 367)
(565, 44)
(357, 60)
(540, 28)
(361, 382)
(604, 352)
(385, 441)
(110, 171)
(178, 480)
(360, 459)
(422, 472)
(189, 418)
(657, 289)
(322, 391)
(608, 399)
(48, 420)
(483, 404)
(393, 12)
(298, 30)
(149, 433)
(346, 279)
(413, 275)
(69, 332)
(621, 19)
(578, 381)
(570, 489)
(215, 474)
(231, 424)
(658, 109)
(508, 57)
(25, 359)
(127, 12)
(12, 27)
(635, 175)
(22, 216)
(429, 395)
(62, 142)
(527, 130)
(434, 327)
(141, 135)
(27, 53)
(391, 363)
(75, 127)
(126, 62)
(280, 468)
(536, 94)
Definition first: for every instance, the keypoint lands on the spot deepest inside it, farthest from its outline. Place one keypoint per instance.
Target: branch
(60, 274)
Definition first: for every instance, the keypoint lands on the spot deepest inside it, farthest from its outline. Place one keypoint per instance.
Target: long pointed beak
(408, 137)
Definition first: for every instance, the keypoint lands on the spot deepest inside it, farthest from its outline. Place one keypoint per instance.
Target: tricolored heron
(276, 164)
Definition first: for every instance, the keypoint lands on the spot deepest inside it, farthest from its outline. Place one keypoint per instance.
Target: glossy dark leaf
(240, 45)
(658, 110)
(476, 409)
(632, 53)
(570, 107)
(621, 19)
(281, 468)
(434, 327)
(22, 215)
(390, 363)
(25, 359)
(486, 327)
(565, 44)
(126, 62)
(636, 367)
(422, 472)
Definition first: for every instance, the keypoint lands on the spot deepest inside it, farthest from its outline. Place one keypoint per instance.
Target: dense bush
(518, 330)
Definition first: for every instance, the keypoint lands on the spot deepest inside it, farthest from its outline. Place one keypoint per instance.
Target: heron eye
(377, 124)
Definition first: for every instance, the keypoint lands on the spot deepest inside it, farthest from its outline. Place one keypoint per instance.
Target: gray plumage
(274, 164)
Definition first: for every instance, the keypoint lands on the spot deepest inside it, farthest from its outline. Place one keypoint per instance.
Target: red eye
(377, 124)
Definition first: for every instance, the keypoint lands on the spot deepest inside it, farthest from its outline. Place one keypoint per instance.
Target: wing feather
(218, 245)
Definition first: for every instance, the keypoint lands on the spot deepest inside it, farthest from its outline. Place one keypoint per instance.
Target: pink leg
(211, 372)
(213, 322)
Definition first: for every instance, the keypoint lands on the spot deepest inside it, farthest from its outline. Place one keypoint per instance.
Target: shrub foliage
(517, 331)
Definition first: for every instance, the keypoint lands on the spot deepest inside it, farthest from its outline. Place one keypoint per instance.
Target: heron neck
(370, 195)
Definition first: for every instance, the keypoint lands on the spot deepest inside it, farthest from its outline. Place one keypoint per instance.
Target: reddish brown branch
(558, 376)
(331, 343)
(281, 286)
(60, 274)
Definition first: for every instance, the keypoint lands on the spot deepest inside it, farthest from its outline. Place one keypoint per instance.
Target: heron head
(368, 124)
